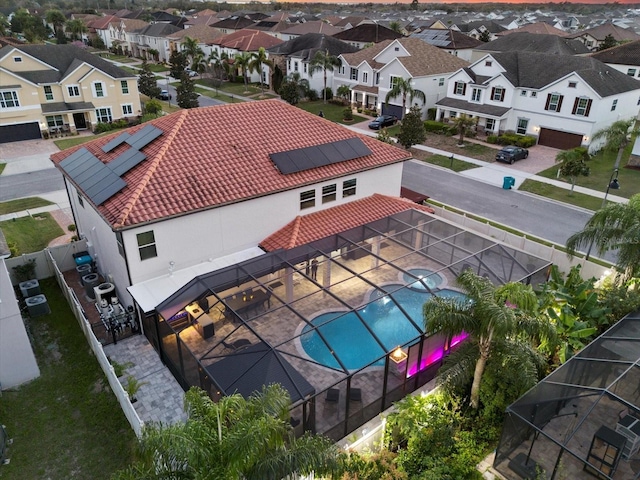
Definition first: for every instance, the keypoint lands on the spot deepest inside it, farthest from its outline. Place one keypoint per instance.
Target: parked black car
(165, 95)
(383, 121)
(511, 154)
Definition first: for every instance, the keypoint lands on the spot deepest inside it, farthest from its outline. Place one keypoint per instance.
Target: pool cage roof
(559, 424)
(357, 268)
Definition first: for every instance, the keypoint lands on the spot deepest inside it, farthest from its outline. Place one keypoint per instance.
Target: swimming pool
(351, 340)
(431, 279)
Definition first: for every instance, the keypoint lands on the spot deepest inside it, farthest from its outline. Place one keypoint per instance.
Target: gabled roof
(601, 31)
(203, 20)
(537, 70)
(352, 20)
(306, 46)
(314, 226)
(537, 28)
(366, 54)
(235, 23)
(531, 42)
(158, 30)
(267, 25)
(311, 27)
(201, 33)
(62, 59)
(447, 39)
(132, 24)
(625, 54)
(490, 25)
(103, 23)
(215, 156)
(247, 40)
(367, 32)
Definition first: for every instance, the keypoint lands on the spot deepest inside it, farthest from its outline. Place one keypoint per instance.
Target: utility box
(508, 182)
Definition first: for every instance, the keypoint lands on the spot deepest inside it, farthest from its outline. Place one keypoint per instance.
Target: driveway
(27, 156)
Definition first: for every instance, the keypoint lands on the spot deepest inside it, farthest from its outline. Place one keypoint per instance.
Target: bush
(431, 113)
(493, 139)
(339, 101)
(312, 95)
(328, 93)
(347, 114)
(435, 127)
(71, 228)
(153, 107)
(107, 127)
(526, 142)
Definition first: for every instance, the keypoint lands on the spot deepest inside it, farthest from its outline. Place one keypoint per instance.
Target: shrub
(26, 271)
(359, 109)
(339, 101)
(434, 127)
(71, 228)
(153, 107)
(493, 139)
(312, 95)
(328, 93)
(526, 141)
(347, 114)
(147, 117)
(431, 113)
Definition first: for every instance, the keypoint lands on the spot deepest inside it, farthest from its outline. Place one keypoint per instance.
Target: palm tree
(395, 26)
(77, 28)
(56, 18)
(232, 439)
(242, 61)
(219, 62)
(617, 137)
(192, 50)
(404, 89)
(293, 88)
(199, 63)
(492, 316)
(614, 227)
(257, 63)
(573, 163)
(322, 60)
(461, 123)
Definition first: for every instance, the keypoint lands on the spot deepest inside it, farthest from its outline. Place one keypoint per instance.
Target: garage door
(392, 110)
(558, 139)
(23, 131)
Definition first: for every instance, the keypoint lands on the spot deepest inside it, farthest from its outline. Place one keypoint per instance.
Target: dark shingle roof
(66, 107)
(158, 30)
(64, 58)
(532, 42)
(367, 32)
(536, 70)
(490, 110)
(306, 46)
(626, 54)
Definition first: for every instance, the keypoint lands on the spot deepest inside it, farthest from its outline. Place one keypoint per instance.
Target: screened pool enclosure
(338, 322)
(583, 420)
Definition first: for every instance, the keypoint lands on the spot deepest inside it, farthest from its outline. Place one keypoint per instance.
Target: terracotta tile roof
(214, 156)
(308, 228)
(312, 27)
(103, 23)
(247, 40)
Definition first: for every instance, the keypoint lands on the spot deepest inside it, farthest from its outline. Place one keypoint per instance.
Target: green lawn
(220, 96)
(157, 67)
(561, 194)
(69, 142)
(131, 70)
(601, 166)
(456, 165)
(31, 234)
(67, 422)
(117, 58)
(22, 204)
(331, 112)
(2, 165)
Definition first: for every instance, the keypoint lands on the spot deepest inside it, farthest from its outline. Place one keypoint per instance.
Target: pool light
(398, 355)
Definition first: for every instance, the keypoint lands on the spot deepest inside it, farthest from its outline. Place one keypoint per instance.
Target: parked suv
(165, 95)
(511, 154)
(383, 121)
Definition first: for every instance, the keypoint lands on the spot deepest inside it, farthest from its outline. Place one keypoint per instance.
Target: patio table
(246, 301)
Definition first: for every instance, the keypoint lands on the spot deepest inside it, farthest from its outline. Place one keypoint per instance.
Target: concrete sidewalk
(59, 199)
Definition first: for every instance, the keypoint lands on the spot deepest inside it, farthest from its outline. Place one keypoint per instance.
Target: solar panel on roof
(109, 190)
(115, 142)
(300, 159)
(126, 161)
(144, 136)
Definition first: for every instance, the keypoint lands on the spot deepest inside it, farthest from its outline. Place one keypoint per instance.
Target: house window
(393, 81)
(54, 120)
(522, 126)
(80, 200)
(305, 67)
(460, 88)
(589, 43)
(48, 93)
(441, 82)
(9, 99)
(295, 66)
(74, 90)
(348, 188)
(534, 94)
(17, 59)
(573, 84)
(614, 105)
(377, 78)
(120, 243)
(476, 94)
(488, 63)
(289, 65)
(631, 72)
(104, 115)
(307, 199)
(147, 245)
(353, 74)
(490, 124)
(452, 114)
(523, 93)
(127, 109)
(329, 193)
(397, 49)
(125, 87)
(554, 102)
(98, 89)
(365, 77)
(497, 94)
(581, 107)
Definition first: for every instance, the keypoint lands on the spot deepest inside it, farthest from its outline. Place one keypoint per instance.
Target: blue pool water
(352, 341)
(431, 279)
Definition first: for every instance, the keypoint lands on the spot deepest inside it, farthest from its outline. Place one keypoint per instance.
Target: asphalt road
(30, 184)
(203, 100)
(528, 213)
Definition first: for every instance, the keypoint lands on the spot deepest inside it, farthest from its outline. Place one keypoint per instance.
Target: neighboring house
(203, 34)
(350, 22)
(476, 28)
(531, 42)
(60, 88)
(119, 33)
(594, 37)
(299, 29)
(538, 28)
(201, 20)
(249, 41)
(625, 58)
(560, 99)
(366, 33)
(370, 73)
(102, 28)
(152, 42)
(220, 179)
(451, 41)
(233, 24)
(297, 54)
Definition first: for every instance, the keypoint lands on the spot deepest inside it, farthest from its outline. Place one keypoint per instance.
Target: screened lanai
(583, 420)
(338, 322)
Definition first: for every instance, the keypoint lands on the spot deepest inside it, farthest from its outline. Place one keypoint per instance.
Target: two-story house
(531, 42)
(152, 42)
(561, 99)
(625, 58)
(366, 33)
(218, 179)
(60, 88)
(372, 72)
(595, 36)
(204, 35)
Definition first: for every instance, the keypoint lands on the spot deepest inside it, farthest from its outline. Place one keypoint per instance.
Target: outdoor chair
(333, 395)
(237, 344)
(355, 395)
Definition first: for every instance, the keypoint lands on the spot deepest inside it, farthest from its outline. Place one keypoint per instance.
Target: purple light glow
(434, 356)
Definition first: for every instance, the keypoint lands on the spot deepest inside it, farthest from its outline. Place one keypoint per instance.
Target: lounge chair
(333, 395)
(355, 395)
(237, 344)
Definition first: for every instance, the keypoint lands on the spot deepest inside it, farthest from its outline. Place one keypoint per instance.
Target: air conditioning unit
(30, 288)
(90, 282)
(37, 305)
(105, 291)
